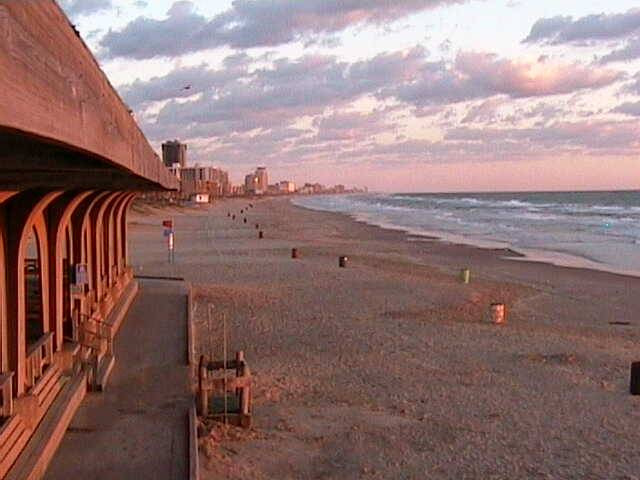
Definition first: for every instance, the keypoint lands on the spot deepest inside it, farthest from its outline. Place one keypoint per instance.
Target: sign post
(80, 277)
(169, 235)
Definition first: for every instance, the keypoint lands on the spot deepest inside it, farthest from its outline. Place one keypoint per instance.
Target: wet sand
(388, 368)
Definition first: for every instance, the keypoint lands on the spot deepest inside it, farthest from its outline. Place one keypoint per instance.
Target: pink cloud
(521, 78)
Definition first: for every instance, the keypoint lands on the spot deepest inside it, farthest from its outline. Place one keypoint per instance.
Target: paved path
(137, 428)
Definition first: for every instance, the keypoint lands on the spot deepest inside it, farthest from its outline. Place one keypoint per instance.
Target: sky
(395, 95)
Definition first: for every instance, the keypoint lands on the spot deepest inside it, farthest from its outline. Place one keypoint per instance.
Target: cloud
(184, 81)
(84, 7)
(541, 110)
(485, 111)
(630, 51)
(351, 126)
(628, 108)
(592, 135)
(479, 75)
(566, 29)
(531, 79)
(633, 87)
(288, 148)
(251, 24)
(252, 108)
(269, 95)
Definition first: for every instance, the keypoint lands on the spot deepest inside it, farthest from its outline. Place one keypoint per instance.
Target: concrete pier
(137, 427)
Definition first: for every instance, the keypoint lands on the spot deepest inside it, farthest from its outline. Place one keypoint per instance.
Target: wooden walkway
(137, 428)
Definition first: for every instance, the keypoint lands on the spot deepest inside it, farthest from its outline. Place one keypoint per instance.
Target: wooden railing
(90, 299)
(6, 394)
(39, 356)
(91, 333)
(94, 335)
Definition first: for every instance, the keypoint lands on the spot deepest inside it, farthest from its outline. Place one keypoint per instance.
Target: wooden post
(239, 368)
(245, 400)
(202, 387)
(239, 362)
(465, 275)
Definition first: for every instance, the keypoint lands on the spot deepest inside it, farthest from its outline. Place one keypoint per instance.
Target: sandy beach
(389, 369)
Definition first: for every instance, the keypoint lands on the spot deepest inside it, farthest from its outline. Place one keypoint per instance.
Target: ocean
(597, 230)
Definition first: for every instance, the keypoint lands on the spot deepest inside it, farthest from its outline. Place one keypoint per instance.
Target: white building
(200, 198)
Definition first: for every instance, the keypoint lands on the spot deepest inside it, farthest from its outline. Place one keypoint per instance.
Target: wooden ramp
(137, 427)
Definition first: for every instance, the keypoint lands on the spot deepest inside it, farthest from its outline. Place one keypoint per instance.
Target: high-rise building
(263, 180)
(250, 183)
(213, 181)
(174, 152)
(257, 183)
(286, 186)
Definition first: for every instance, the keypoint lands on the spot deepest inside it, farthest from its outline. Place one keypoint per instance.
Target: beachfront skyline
(415, 95)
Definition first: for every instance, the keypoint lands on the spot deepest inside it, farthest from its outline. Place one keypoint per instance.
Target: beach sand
(389, 368)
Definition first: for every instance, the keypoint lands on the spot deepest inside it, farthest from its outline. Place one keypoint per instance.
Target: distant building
(263, 180)
(238, 190)
(306, 189)
(250, 184)
(174, 152)
(309, 188)
(209, 180)
(273, 189)
(286, 186)
(257, 183)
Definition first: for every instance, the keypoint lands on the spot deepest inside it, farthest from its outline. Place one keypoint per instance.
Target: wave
(608, 233)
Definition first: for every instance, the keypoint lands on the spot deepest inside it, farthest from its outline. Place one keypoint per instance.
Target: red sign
(167, 223)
